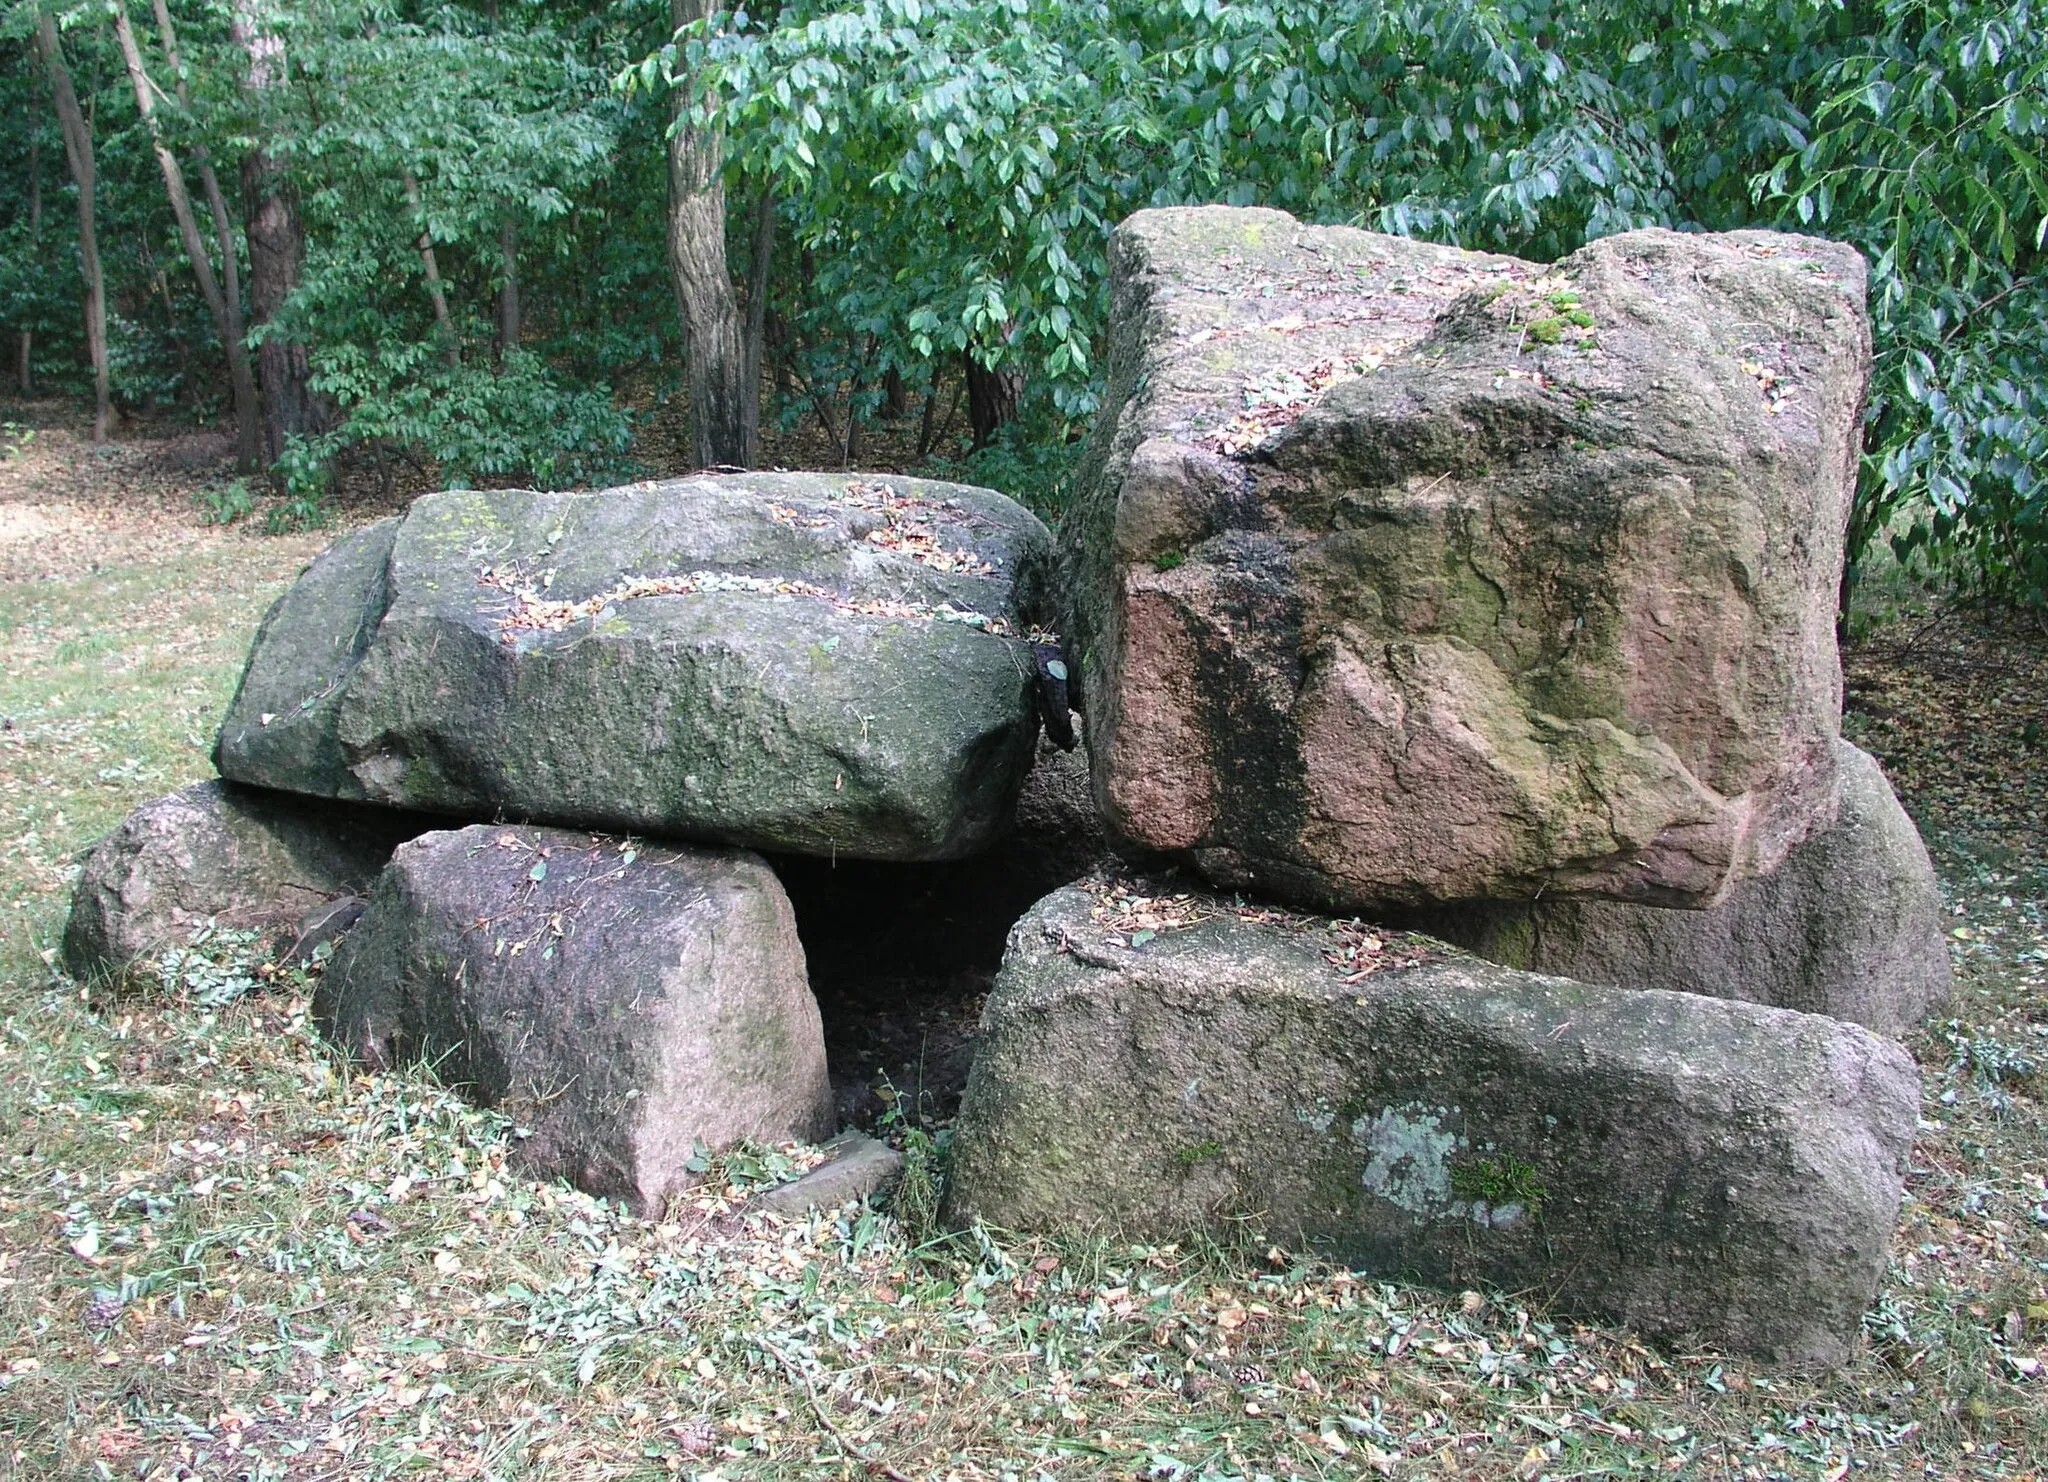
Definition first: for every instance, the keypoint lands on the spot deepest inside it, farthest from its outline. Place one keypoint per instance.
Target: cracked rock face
(818, 664)
(1679, 1163)
(1403, 574)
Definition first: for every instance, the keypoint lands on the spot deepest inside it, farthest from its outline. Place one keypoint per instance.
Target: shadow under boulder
(243, 856)
(901, 956)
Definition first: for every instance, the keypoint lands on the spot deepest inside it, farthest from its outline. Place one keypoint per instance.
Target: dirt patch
(1954, 703)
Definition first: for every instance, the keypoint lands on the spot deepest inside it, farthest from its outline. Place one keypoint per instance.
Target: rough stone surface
(320, 929)
(1850, 925)
(621, 1002)
(1683, 1164)
(858, 1167)
(1404, 574)
(800, 662)
(217, 851)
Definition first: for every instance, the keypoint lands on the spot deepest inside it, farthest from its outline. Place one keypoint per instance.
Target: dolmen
(536, 739)
(1492, 899)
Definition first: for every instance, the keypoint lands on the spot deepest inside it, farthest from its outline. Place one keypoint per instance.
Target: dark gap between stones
(902, 956)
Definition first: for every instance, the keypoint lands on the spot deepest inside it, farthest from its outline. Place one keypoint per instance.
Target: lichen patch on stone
(1410, 1151)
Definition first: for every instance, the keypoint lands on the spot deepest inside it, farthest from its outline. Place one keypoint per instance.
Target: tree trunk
(277, 255)
(173, 331)
(992, 400)
(249, 433)
(248, 417)
(758, 266)
(508, 288)
(25, 340)
(928, 426)
(451, 344)
(851, 448)
(714, 339)
(78, 154)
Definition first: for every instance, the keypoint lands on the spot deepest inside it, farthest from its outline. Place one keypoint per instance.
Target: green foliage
(1928, 154)
(1498, 1180)
(225, 503)
(215, 968)
(480, 424)
(943, 175)
(921, 1193)
(952, 165)
(1031, 460)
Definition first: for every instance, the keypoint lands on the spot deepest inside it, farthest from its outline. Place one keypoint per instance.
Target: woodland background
(507, 240)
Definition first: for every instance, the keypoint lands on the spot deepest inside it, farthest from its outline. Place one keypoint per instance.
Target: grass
(222, 1255)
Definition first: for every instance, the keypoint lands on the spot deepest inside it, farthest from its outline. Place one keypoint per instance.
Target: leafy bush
(215, 968)
(224, 504)
(479, 423)
(1928, 154)
(953, 166)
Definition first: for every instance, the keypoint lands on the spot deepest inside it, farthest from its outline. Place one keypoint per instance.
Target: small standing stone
(1850, 925)
(623, 1003)
(218, 851)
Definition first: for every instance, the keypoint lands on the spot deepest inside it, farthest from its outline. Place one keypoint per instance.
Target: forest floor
(221, 1255)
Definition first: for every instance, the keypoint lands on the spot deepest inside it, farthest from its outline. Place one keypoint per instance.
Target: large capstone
(624, 1003)
(812, 663)
(1850, 925)
(1405, 574)
(1156, 1065)
(215, 852)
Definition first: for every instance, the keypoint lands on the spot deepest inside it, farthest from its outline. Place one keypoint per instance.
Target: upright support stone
(1682, 1164)
(624, 1003)
(216, 851)
(1850, 925)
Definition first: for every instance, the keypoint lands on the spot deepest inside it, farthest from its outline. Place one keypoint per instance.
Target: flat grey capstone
(217, 851)
(625, 1003)
(858, 1167)
(1850, 925)
(820, 664)
(1696, 1168)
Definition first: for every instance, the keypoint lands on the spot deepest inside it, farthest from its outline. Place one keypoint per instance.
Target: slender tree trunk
(992, 400)
(712, 331)
(236, 334)
(25, 340)
(277, 255)
(451, 345)
(508, 288)
(248, 416)
(928, 428)
(173, 331)
(78, 154)
(758, 267)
